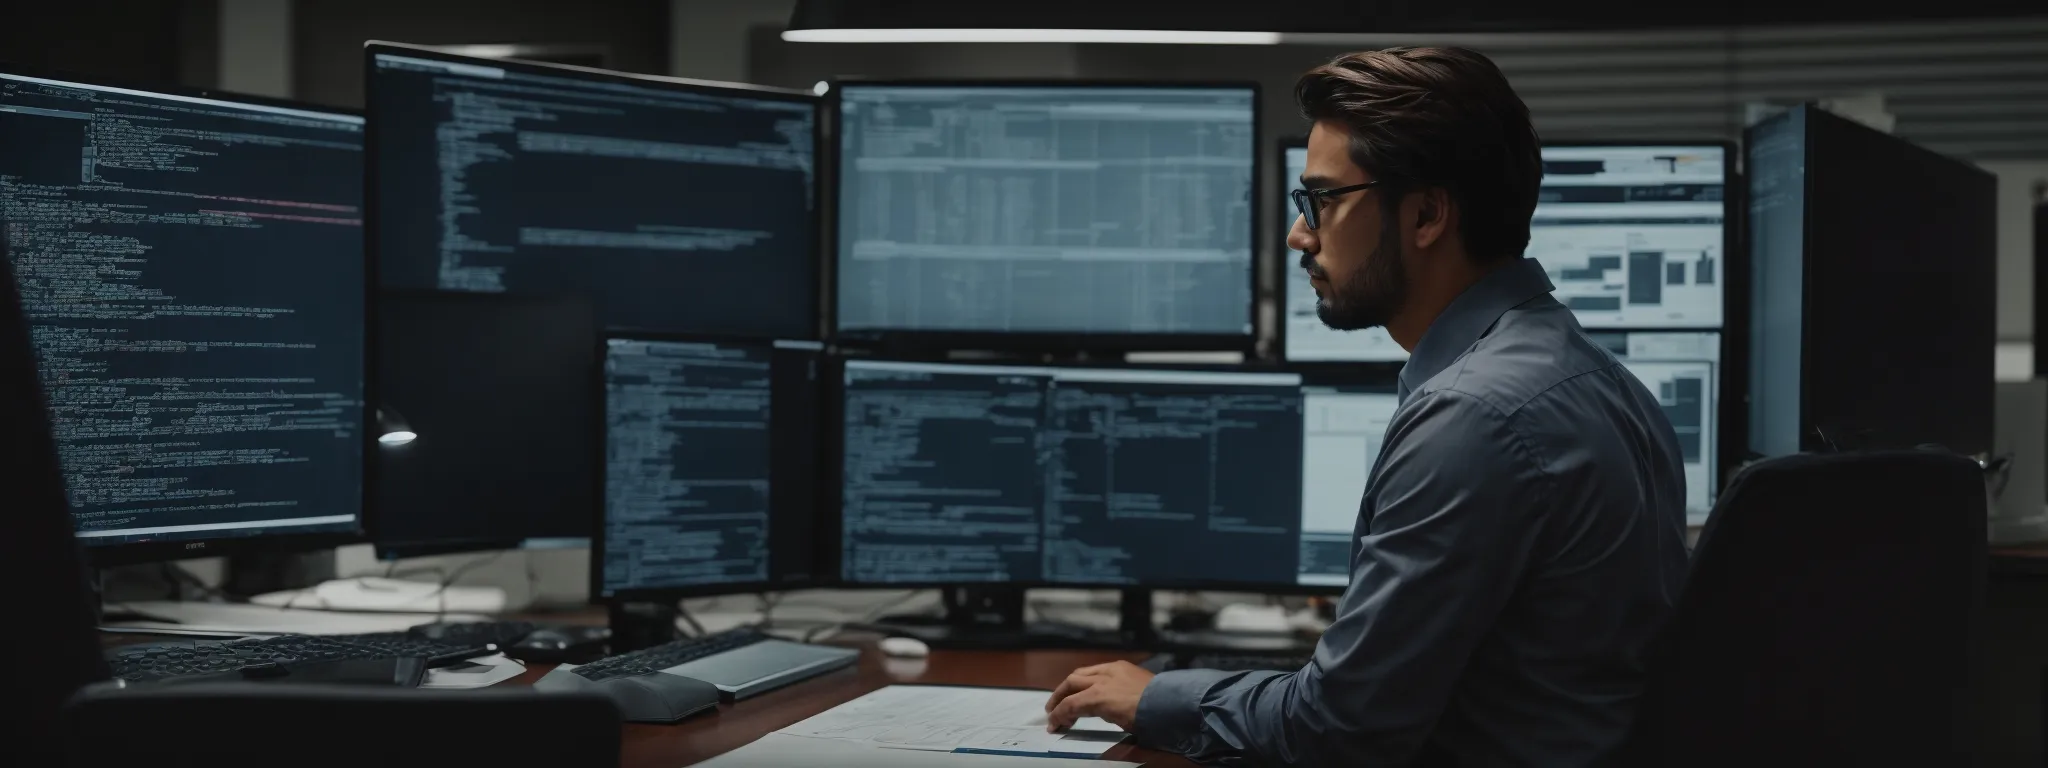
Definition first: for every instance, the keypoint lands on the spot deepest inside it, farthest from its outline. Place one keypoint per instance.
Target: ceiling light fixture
(1006, 35)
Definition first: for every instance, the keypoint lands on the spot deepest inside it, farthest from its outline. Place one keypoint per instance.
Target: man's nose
(1300, 237)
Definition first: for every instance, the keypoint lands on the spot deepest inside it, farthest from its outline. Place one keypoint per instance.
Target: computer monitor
(1054, 215)
(1683, 371)
(1303, 336)
(1873, 301)
(674, 205)
(711, 455)
(500, 392)
(1634, 236)
(956, 474)
(191, 265)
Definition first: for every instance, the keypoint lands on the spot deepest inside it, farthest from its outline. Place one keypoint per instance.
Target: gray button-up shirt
(1521, 539)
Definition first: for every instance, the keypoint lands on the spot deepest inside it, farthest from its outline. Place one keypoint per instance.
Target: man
(1522, 532)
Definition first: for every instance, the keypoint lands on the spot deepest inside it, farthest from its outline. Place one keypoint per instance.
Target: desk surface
(2026, 559)
(703, 736)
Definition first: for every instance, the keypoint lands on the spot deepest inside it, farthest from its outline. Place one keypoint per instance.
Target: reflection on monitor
(1681, 370)
(1632, 236)
(964, 473)
(1308, 339)
(192, 270)
(709, 448)
(1070, 209)
(674, 207)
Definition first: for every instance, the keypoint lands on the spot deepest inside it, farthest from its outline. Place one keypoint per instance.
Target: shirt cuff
(1170, 709)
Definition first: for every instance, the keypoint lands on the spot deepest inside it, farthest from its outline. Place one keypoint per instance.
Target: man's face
(1353, 257)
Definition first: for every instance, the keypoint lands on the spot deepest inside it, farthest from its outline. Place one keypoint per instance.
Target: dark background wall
(327, 58)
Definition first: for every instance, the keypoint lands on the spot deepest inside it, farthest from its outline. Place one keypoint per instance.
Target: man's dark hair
(1437, 117)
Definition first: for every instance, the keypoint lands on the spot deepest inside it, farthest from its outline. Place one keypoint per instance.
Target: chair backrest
(1830, 618)
(260, 725)
(51, 639)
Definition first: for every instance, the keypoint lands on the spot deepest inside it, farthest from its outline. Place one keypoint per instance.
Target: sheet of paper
(781, 750)
(944, 718)
(474, 673)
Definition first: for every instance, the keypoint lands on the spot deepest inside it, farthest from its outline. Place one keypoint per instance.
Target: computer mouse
(560, 644)
(905, 647)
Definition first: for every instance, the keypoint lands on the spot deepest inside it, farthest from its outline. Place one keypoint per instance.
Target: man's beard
(1372, 294)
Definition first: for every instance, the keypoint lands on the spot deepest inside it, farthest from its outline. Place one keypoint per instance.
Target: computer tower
(1872, 292)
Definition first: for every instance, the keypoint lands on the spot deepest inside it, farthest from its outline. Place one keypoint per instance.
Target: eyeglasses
(1310, 201)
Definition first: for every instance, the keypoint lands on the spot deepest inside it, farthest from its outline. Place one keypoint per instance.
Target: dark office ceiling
(1374, 16)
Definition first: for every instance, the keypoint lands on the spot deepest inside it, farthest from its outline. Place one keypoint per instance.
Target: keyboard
(670, 681)
(1228, 662)
(667, 655)
(476, 633)
(437, 653)
(192, 658)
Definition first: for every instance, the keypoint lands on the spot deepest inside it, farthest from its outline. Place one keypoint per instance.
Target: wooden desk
(703, 736)
(2024, 560)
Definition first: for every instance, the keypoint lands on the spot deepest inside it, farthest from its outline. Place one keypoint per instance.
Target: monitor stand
(642, 625)
(992, 618)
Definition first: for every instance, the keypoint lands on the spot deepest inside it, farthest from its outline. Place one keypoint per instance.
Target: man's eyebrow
(1316, 182)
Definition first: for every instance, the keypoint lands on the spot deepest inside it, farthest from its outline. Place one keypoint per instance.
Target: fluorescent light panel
(1184, 37)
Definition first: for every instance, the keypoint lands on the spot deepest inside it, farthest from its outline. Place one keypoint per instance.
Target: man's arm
(1454, 507)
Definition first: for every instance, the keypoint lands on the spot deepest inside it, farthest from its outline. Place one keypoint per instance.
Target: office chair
(51, 643)
(1830, 618)
(264, 725)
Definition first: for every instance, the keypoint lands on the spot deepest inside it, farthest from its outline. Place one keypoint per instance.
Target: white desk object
(372, 593)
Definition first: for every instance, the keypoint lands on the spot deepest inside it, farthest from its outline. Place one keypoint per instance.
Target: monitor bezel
(371, 135)
(597, 524)
(831, 518)
(918, 342)
(147, 551)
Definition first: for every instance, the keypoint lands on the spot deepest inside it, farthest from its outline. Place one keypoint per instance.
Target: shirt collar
(1469, 316)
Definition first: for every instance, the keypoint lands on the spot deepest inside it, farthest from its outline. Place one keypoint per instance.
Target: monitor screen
(192, 270)
(1342, 428)
(674, 207)
(1683, 371)
(501, 391)
(1776, 166)
(1307, 338)
(1100, 476)
(1068, 209)
(1632, 237)
(710, 459)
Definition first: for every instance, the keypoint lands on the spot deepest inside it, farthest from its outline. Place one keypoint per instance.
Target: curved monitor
(192, 270)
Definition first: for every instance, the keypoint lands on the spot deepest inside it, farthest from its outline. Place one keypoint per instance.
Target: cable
(866, 618)
(684, 614)
(768, 601)
(442, 591)
(178, 575)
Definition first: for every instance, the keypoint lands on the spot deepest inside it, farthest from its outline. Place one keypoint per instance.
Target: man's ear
(1434, 216)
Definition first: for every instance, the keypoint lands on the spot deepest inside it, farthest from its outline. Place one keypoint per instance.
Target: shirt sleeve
(1452, 506)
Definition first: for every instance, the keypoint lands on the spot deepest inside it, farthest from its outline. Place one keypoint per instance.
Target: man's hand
(1108, 691)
